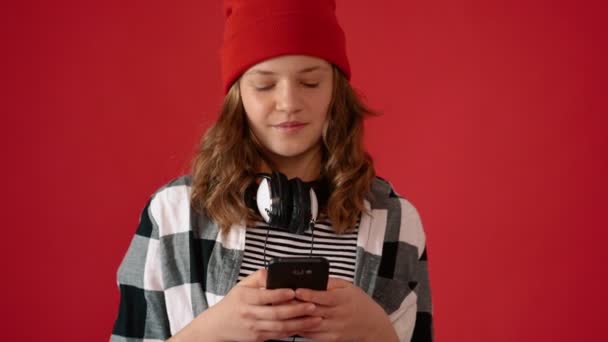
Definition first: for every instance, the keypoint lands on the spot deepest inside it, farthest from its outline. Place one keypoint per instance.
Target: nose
(288, 97)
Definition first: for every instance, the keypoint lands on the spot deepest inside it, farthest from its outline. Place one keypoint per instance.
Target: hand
(251, 313)
(348, 313)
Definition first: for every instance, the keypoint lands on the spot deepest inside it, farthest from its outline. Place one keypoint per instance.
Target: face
(286, 100)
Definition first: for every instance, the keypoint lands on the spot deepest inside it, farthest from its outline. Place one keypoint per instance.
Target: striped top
(339, 249)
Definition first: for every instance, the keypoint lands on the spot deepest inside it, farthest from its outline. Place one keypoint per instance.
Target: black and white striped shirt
(339, 249)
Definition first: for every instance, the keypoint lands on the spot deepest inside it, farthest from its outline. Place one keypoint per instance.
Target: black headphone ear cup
(281, 200)
(300, 215)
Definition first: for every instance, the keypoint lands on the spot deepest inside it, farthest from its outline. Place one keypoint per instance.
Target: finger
(265, 297)
(325, 311)
(281, 312)
(287, 326)
(256, 279)
(324, 327)
(327, 298)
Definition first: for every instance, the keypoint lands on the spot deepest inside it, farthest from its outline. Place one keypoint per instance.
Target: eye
(310, 84)
(263, 87)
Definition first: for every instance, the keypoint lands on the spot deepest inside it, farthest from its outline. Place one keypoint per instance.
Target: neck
(306, 166)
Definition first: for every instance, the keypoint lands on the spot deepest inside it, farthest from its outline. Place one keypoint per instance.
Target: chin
(293, 149)
(288, 153)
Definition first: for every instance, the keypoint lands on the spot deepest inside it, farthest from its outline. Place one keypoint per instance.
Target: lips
(290, 126)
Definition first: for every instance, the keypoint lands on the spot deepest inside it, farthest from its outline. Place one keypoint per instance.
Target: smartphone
(310, 273)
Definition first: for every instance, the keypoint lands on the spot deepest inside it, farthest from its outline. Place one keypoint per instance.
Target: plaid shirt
(178, 265)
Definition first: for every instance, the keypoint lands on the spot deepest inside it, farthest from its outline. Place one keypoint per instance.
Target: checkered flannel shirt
(177, 265)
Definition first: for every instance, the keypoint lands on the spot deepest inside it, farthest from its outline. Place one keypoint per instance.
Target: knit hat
(256, 30)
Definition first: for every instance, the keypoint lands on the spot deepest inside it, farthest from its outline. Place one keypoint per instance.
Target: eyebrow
(268, 72)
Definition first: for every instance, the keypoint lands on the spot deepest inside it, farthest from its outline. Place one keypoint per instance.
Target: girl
(290, 120)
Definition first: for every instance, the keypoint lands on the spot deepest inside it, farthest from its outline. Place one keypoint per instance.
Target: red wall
(494, 125)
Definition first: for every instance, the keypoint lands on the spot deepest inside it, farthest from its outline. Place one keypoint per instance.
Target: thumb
(256, 279)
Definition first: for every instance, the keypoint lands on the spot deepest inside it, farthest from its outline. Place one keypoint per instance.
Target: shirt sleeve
(423, 329)
(142, 314)
(413, 320)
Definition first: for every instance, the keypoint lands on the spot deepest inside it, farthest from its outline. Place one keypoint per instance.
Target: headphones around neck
(288, 204)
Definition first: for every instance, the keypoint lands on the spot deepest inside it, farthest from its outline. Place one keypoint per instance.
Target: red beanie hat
(257, 30)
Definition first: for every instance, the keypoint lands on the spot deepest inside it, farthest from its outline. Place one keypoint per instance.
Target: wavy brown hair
(228, 159)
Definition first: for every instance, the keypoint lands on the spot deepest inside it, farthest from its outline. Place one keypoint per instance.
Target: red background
(494, 125)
